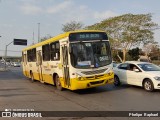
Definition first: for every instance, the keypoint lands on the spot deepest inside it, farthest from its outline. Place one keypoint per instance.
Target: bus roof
(61, 36)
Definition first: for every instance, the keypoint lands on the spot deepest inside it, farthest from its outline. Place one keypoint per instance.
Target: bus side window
(31, 55)
(46, 52)
(22, 57)
(55, 49)
(34, 54)
(58, 50)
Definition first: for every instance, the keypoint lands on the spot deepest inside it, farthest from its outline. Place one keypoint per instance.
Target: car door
(121, 72)
(134, 77)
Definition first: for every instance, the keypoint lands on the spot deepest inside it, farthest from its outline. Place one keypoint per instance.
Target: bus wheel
(32, 77)
(58, 83)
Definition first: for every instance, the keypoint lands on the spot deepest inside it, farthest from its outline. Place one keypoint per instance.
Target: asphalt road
(18, 92)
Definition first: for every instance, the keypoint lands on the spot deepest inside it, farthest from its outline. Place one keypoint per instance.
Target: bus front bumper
(86, 83)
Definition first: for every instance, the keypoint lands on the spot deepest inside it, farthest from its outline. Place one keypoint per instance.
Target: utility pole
(15, 42)
(6, 54)
(38, 32)
(33, 37)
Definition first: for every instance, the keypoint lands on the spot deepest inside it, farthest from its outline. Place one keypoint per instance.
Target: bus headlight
(79, 77)
(110, 72)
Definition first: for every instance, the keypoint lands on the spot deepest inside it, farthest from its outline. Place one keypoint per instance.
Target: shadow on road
(12, 95)
(11, 89)
(107, 88)
(141, 88)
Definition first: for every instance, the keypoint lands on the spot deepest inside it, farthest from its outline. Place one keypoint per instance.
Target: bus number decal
(103, 58)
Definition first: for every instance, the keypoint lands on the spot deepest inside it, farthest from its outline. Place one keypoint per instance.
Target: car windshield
(149, 67)
(90, 54)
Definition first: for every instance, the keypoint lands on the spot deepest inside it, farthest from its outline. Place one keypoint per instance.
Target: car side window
(132, 67)
(123, 66)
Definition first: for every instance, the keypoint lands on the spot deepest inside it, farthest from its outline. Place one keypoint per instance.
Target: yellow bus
(73, 60)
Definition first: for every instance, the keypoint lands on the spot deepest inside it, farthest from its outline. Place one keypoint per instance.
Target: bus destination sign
(88, 36)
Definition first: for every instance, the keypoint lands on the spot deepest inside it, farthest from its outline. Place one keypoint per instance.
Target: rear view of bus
(90, 61)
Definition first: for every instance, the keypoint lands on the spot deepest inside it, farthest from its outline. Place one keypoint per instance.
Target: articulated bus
(73, 60)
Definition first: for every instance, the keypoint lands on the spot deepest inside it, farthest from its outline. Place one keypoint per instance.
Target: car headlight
(157, 78)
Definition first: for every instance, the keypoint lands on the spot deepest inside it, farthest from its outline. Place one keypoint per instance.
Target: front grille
(95, 77)
(97, 82)
(94, 72)
(91, 78)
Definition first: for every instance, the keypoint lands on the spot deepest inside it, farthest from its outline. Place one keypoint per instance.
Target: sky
(19, 18)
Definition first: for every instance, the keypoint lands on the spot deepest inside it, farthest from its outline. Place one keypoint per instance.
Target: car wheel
(148, 85)
(58, 83)
(116, 81)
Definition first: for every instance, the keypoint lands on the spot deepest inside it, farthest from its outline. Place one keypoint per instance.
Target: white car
(16, 64)
(144, 74)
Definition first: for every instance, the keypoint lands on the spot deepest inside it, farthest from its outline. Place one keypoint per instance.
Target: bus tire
(58, 83)
(32, 77)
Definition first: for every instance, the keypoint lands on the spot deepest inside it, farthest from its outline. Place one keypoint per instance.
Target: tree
(147, 49)
(46, 37)
(72, 26)
(134, 53)
(127, 31)
(155, 53)
(152, 50)
(117, 55)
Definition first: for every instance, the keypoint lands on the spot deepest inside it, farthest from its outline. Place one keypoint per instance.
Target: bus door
(65, 65)
(25, 63)
(39, 65)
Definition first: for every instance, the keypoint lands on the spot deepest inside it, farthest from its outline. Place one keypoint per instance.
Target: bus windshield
(90, 54)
